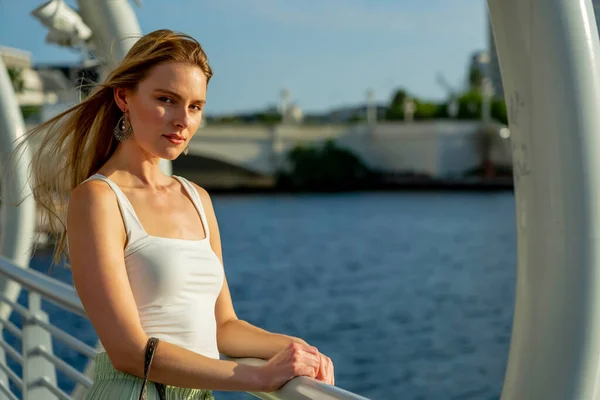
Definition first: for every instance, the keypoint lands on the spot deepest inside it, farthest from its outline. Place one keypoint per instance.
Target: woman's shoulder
(204, 197)
(92, 192)
(94, 220)
(95, 198)
(94, 211)
(201, 191)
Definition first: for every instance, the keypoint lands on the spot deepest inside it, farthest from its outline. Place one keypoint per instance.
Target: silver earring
(186, 150)
(123, 130)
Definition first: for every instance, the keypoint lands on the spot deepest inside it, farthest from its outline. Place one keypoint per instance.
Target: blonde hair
(76, 143)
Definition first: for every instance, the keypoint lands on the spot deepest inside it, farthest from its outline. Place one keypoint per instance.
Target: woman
(144, 247)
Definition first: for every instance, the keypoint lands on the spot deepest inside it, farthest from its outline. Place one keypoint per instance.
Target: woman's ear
(121, 96)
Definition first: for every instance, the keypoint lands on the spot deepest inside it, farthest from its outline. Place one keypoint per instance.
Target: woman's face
(165, 109)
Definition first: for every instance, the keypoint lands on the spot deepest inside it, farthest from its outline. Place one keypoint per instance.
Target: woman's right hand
(295, 360)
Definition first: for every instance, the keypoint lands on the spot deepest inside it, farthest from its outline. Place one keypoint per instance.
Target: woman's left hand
(325, 373)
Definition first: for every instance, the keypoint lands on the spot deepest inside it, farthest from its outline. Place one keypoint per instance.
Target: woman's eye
(197, 107)
(165, 99)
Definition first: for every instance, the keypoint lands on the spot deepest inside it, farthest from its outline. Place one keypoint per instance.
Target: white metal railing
(63, 296)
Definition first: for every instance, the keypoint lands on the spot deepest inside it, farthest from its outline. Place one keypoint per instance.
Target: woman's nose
(182, 119)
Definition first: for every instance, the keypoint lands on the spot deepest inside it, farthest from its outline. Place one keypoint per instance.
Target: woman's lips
(175, 139)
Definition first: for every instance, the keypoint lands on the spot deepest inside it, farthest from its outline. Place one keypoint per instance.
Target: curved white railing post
(549, 58)
(17, 214)
(115, 28)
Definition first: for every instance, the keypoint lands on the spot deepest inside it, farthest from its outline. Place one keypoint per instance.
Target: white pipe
(116, 29)
(548, 52)
(17, 213)
(18, 221)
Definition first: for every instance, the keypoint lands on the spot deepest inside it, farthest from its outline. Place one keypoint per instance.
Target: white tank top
(175, 282)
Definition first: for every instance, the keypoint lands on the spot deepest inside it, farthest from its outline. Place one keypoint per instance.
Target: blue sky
(327, 53)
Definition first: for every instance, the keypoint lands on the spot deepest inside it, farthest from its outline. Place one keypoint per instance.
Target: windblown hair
(72, 146)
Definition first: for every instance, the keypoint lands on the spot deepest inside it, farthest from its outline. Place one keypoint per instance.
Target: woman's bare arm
(235, 337)
(96, 241)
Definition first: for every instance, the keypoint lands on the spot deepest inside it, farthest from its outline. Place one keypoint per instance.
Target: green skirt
(110, 384)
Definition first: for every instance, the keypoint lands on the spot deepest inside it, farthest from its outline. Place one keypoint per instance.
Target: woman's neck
(131, 166)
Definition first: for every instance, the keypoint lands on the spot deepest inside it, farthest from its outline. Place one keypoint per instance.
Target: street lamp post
(487, 92)
(371, 108)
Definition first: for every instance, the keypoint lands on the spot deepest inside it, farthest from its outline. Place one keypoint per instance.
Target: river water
(410, 293)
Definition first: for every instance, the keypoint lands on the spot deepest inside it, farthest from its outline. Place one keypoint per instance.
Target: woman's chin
(171, 151)
(172, 157)
(169, 154)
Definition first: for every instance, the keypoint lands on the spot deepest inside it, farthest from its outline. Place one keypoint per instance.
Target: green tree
(18, 83)
(469, 105)
(395, 110)
(475, 78)
(429, 110)
(30, 111)
(324, 168)
(499, 111)
(16, 78)
(269, 118)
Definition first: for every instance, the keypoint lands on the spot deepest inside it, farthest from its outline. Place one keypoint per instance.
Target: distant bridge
(230, 155)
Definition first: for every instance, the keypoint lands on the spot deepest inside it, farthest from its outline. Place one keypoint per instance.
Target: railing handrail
(301, 388)
(62, 295)
(51, 289)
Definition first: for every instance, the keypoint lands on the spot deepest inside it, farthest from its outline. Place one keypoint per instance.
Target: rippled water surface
(410, 294)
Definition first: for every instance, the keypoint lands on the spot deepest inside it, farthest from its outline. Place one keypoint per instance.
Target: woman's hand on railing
(295, 360)
(325, 373)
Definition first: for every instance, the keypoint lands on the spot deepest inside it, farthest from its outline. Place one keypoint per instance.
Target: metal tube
(17, 217)
(6, 391)
(17, 208)
(300, 388)
(549, 58)
(64, 367)
(51, 289)
(12, 328)
(12, 353)
(66, 338)
(12, 376)
(53, 389)
(15, 306)
(35, 366)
